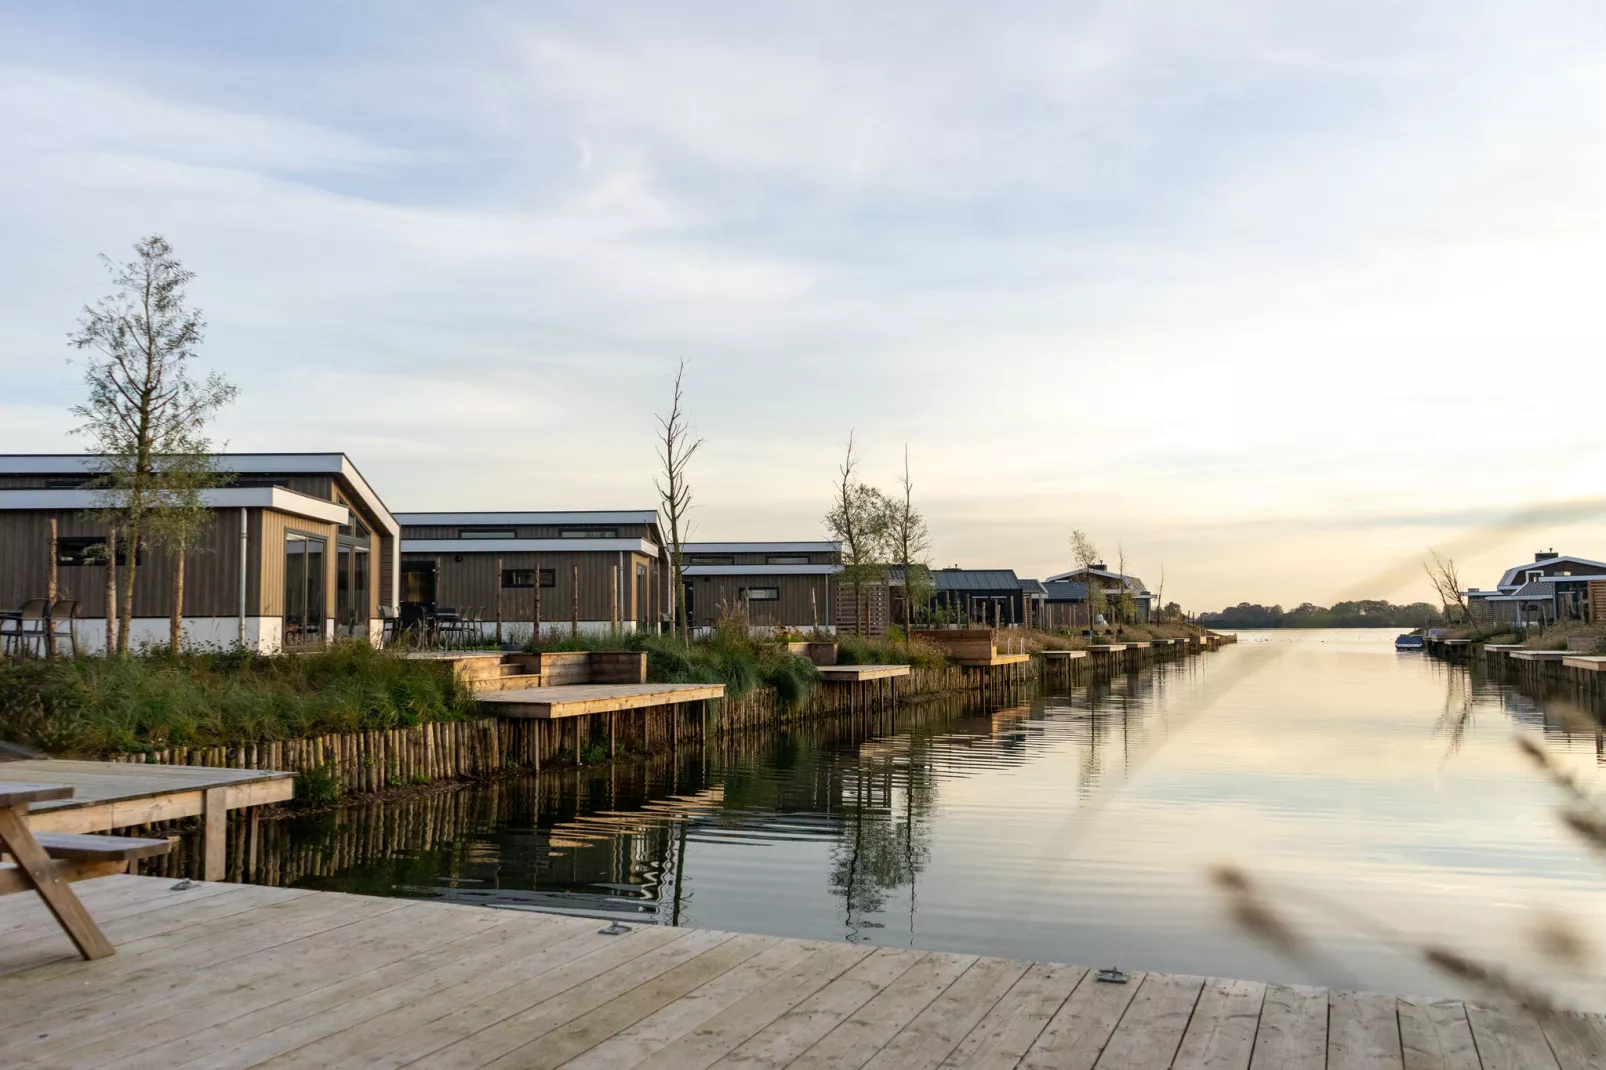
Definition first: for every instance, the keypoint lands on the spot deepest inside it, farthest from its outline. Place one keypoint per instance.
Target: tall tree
(1446, 580)
(675, 450)
(911, 543)
(1087, 556)
(145, 414)
(858, 520)
(1126, 605)
(182, 523)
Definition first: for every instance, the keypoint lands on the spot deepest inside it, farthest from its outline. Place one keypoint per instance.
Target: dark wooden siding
(473, 582)
(713, 594)
(211, 572)
(701, 558)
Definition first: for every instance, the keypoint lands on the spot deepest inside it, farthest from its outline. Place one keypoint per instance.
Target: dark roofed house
(1550, 588)
(1032, 598)
(978, 595)
(1112, 584)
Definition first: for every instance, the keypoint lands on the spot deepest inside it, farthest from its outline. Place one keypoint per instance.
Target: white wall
(223, 633)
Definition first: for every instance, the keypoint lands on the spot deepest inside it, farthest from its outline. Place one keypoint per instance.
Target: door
(351, 590)
(303, 590)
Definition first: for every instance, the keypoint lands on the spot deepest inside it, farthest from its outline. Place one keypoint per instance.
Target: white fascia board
(525, 546)
(277, 498)
(760, 547)
(761, 570)
(622, 516)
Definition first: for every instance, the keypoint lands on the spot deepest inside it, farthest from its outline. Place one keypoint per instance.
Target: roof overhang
(528, 546)
(761, 547)
(275, 498)
(616, 516)
(761, 570)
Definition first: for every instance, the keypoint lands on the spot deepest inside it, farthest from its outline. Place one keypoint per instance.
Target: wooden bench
(48, 862)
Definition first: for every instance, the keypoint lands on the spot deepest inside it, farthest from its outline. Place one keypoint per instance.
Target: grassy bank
(96, 706)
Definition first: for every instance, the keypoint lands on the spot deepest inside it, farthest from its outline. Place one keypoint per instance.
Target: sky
(1271, 297)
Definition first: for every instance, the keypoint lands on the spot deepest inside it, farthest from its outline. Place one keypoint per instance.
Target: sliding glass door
(351, 590)
(303, 590)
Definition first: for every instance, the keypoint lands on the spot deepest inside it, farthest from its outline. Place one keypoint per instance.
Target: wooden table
(112, 795)
(37, 872)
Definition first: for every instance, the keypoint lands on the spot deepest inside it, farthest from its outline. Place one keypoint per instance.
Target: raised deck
(995, 660)
(858, 674)
(579, 700)
(114, 795)
(223, 975)
(1586, 662)
(1063, 655)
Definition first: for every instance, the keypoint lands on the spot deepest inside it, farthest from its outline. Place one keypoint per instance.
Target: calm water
(1075, 828)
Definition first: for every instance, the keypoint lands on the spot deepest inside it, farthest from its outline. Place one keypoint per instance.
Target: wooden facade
(273, 504)
(600, 570)
(777, 585)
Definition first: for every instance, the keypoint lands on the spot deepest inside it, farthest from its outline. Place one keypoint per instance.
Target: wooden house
(777, 584)
(598, 571)
(1552, 587)
(1113, 584)
(991, 597)
(299, 550)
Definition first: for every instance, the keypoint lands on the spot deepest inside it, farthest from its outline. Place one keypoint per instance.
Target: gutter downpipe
(245, 539)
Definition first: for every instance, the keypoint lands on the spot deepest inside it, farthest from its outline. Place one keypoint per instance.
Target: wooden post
(814, 609)
(50, 589)
(574, 602)
(499, 600)
(536, 628)
(613, 745)
(214, 835)
(613, 599)
(111, 589)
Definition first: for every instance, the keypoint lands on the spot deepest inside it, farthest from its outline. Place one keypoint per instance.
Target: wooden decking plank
(1075, 1037)
(149, 937)
(867, 1030)
(416, 1031)
(937, 1030)
(1293, 1029)
(1363, 1032)
(23, 917)
(1007, 1032)
(1435, 1035)
(656, 1031)
(1577, 1040)
(323, 1011)
(156, 1012)
(719, 1034)
(1509, 1038)
(793, 1033)
(674, 1001)
(1151, 1030)
(1221, 1033)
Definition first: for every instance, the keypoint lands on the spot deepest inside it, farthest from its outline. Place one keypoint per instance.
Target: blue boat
(1409, 642)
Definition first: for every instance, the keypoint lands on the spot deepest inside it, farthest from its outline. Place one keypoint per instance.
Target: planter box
(818, 653)
(963, 644)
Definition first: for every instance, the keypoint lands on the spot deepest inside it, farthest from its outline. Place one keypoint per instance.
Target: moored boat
(1409, 642)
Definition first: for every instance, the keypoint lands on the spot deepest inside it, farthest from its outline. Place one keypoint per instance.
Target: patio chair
(62, 611)
(26, 627)
(390, 624)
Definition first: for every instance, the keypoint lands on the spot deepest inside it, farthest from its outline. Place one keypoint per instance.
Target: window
(303, 590)
(710, 559)
(760, 594)
(353, 527)
(787, 559)
(487, 533)
(588, 533)
(90, 550)
(525, 577)
(1535, 574)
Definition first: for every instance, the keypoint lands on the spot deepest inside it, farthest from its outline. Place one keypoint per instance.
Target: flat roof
(595, 516)
(761, 547)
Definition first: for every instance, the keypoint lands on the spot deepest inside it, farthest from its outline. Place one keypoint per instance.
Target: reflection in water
(1075, 827)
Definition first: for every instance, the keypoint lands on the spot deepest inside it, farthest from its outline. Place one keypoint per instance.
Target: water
(1076, 828)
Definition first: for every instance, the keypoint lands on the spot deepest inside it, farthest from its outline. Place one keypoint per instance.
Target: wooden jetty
(859, 688)
(222, 975)
(114, 795)
(581, 709)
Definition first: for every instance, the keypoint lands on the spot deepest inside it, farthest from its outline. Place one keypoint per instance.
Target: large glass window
(351, 590)
(303, 590)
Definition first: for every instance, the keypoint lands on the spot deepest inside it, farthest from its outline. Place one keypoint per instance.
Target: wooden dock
(580, 700)
(858, 674)
(115, 795)
(222, 975)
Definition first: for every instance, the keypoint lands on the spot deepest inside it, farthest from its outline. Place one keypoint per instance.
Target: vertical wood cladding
(470, 581)
(712, 595)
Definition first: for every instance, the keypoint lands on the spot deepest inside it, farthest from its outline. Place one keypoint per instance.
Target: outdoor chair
(62, 611)
(26, 627)
(390, 625)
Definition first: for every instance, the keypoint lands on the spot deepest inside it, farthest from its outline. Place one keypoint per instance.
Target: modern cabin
(1553, 587)
(598, 571)
(300, 550)
(779, 585)
(985, 596)
(1112, 584)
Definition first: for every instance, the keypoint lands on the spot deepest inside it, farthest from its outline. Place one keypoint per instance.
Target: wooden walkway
(580, 700)
(221, 975)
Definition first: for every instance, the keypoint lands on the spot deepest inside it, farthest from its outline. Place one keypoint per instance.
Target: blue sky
(1275, 296)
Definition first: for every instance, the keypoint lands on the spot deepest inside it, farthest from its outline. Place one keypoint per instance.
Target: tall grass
(98, 705)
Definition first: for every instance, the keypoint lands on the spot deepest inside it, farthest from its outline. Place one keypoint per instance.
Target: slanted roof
(1032, 586)
(1536, 589)
(1509, 578)
(975, 579)
(1064, 591)
(1131, 583)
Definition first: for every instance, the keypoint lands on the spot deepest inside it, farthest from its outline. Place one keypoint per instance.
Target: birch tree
(145, 414)
(911, 543)
(1087, 556)
(676, 448)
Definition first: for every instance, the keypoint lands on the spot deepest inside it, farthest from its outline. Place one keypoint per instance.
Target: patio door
(303, 590)
(351, 590)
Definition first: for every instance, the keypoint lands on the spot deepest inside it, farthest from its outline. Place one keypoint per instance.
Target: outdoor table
(37, 871)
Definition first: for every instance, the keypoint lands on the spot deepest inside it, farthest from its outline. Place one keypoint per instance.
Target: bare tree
(182, 523)
(858, 520)
(1159, 595)
(144, 413)
(911, 543)
(1446, 582)
(675, 450)
(1126, 606)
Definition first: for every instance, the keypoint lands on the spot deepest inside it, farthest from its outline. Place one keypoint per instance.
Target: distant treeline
(1366, 614)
